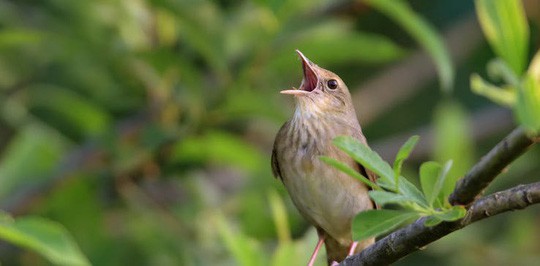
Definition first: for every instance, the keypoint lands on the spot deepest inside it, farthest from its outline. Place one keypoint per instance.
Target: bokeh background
(145, 127)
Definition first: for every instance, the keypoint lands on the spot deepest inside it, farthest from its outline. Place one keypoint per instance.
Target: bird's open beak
(309, 83)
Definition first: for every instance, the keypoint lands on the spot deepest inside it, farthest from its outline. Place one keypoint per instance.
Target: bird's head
(321, 91)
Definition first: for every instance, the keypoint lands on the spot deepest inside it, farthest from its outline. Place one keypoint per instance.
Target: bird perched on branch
(326, 197)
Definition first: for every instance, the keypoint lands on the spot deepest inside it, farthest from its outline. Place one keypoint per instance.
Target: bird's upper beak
(309, 83)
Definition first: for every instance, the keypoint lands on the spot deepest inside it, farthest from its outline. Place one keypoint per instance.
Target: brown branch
(491, 165)
(414, 236)
(511, 199)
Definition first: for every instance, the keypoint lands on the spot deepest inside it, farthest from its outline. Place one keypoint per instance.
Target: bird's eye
(332, 84)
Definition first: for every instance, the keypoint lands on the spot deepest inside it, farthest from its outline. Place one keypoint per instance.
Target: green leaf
(371, 160)
(441, 183)
(279, 214)
(452, 214)
(423, 32)
(13, 37)
(29, 158)
(374, 223)
(384, 197)
(432, 221)
(295, 252)
(218, 147)
(285, 254)
(71, 109)
(46, 237)
(347, 47)
(455, 213)
(505, 26)
(534, 67)
(403, 154)
(498, 69)
(244, 249)
(453, 141)
(365, 156)
(528, 105)
(432, 178)
(504, 96)
(429, 173)
(346, 169)
(408, 189)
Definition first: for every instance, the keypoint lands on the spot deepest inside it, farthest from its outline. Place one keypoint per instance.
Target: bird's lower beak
(294, 91)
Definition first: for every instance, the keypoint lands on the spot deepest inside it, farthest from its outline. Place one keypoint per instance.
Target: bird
(327, 198)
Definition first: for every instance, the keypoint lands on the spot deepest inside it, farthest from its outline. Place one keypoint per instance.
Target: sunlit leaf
(499, 70)
(528, 104)
(384, 197)
(534, 67)
(448, 215)
(423, 32)
(505, 26)
(47, 238)
(285, 253)
(346, 169)
(10, 38)
(244, 249)
(279, 213)
(371, 160)
(503, 96)
(365, 156)
(296, 252)
(432, 221)
(403, 154)
(374, 223)
(452, 214)
(528, 107)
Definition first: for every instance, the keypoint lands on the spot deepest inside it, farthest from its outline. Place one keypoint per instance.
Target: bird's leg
(319, 245)
(353, 248)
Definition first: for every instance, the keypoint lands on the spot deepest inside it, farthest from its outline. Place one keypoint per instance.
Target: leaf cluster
(505, 26)
(391, 189)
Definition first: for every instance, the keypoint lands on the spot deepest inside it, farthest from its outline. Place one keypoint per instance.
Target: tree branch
(491, 165)
(515, 198)
(414, 236)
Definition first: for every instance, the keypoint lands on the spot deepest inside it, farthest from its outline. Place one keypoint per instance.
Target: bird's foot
(314, 255)
(353, 248)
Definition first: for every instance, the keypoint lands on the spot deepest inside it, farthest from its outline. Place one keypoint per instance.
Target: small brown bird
(326, 197)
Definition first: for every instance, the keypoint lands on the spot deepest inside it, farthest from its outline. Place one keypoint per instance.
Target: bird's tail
(337, 252)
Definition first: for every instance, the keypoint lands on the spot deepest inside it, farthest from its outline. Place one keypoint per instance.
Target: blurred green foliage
(505, 25)
(145, 127)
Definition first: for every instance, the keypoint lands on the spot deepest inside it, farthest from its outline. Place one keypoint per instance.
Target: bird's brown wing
(275, 165)
(369, 175)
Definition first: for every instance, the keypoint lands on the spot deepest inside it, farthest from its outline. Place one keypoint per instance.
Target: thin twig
(491, 165)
